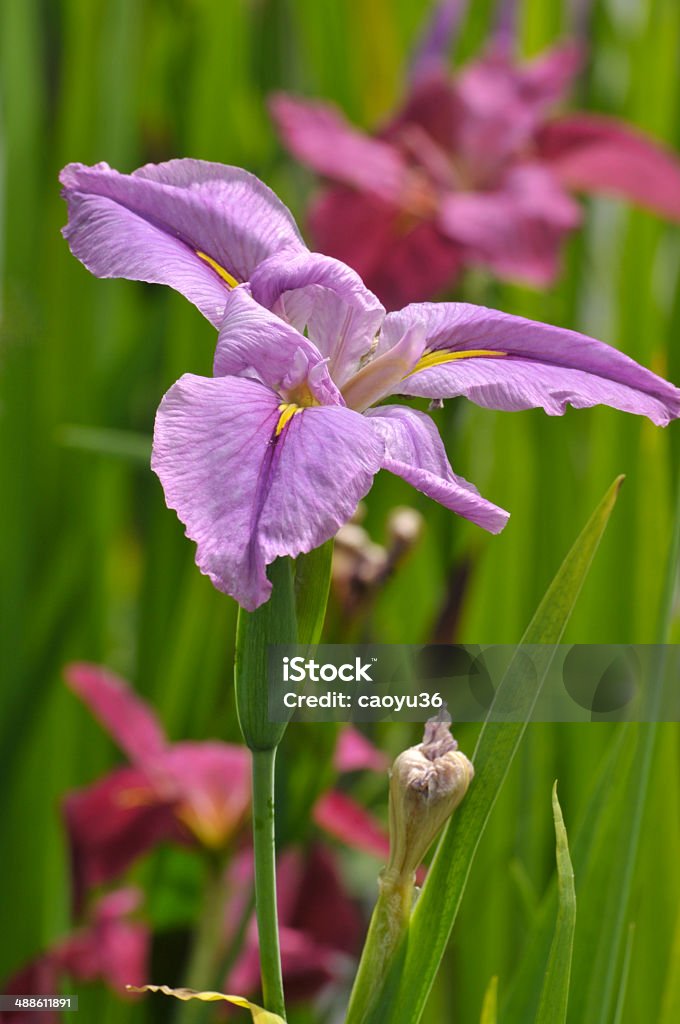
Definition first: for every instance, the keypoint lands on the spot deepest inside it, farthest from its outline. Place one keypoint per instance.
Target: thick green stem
(265, 880)
(388, 926)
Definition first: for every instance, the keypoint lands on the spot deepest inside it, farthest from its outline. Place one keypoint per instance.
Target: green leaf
(625, 972)
(272, 623)
(312, 583)
(490, 1004)
(592, 838)
(555, 995)
(405, 990)
(670, 1005)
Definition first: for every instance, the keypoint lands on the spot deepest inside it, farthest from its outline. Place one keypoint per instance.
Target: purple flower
(177, 223)
(473, 170)
(181, 792)
(271, 455)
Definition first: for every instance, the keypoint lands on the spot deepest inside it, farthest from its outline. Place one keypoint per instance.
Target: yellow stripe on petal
(287, 410)
(258, 1015)
(224, 274)
(440, 356)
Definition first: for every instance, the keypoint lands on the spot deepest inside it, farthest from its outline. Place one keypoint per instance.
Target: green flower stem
(206, 950)
(388, 927)
(293, 614)
(265, 880)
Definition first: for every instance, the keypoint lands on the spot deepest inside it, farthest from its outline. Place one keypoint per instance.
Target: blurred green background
(93, 566)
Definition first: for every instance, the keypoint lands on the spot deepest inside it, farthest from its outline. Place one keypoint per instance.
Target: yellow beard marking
(224, 274)
(287, 410)
(431, 359)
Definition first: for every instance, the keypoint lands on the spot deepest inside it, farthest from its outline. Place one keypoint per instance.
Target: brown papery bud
(427, 783)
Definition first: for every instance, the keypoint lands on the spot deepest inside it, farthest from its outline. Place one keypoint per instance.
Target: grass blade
(555, 995)
(490, 1004)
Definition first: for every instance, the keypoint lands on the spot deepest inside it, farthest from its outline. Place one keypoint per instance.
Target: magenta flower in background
(320, 925)
(110, 947)
(473, 170)
(180, 792)
(271, 455)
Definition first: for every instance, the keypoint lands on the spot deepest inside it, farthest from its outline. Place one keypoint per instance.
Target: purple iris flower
(474, 169)
(270, 456)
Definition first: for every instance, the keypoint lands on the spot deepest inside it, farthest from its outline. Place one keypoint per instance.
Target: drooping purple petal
(130, 721)
(322, 138)
(600, 154)
(326, 300)
(518, 228)
(414, 451)
(507, 362)
(196, 226)
(113, 822)
(251, 484)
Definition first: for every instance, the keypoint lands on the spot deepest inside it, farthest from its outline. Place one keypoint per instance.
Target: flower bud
(427, 783)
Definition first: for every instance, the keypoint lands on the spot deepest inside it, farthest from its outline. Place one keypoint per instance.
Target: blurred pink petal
(211, 782)
(108, 948)
(319, 927)
(344, 819)
(599, 154)
(355, 752)
(431, 105)
(172, 792)
(39, 977)
(399, 258)
(321, 136)
(547, 78)
(516, 229)
(126, 718)
(111, 823)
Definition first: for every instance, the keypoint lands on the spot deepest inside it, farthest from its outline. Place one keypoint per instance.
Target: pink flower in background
(320, 926)
(182, 792)
(474, 169)
(109, 947)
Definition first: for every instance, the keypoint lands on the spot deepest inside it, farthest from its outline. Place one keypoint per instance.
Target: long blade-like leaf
(490, 1004)
(555, 994)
